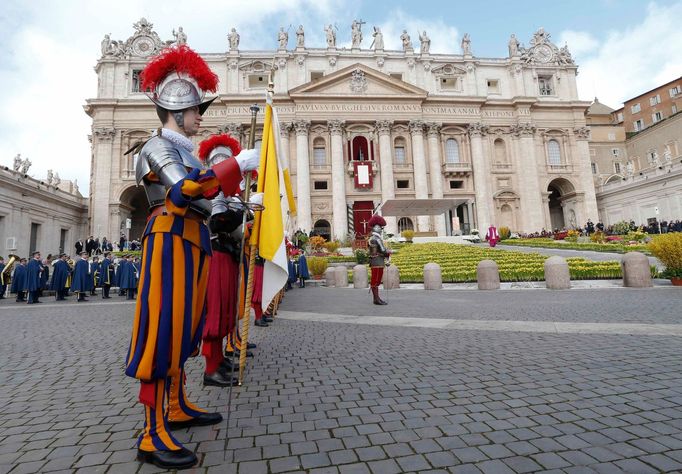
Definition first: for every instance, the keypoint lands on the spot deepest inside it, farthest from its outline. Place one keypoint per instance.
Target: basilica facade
(498, 141)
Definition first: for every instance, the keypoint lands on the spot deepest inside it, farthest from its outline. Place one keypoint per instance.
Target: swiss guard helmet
(218, 148)
(376, 222)
(177, 79)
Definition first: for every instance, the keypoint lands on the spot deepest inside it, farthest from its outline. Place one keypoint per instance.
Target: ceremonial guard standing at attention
(378, 254)
(33, 284)
(94, 275)
(223, 275)
(176, 250)
(19, 281)
(106, 275)
(81, 282)
(59, 277)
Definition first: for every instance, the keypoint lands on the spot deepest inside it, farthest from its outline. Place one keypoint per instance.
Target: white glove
(248, 160)
(256, 198)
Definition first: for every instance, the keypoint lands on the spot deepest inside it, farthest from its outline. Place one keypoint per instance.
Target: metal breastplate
(169, 163)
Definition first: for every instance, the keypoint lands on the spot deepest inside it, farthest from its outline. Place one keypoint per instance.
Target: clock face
(143, 46)
(543, 53)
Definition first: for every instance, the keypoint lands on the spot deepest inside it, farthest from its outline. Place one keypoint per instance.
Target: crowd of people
(63, 276)
(97, 247)
(652, 227)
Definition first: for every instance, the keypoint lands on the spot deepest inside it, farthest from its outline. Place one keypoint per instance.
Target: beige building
(47, 215)
(502, 140)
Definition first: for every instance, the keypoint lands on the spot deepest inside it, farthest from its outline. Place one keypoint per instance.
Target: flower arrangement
(668, 249)
(361, 256)
(317, 243)
(317, 265)
(505, 233)
(408, 234)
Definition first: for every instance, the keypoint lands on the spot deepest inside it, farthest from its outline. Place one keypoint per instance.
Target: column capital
(336, 126)
(523, 129)
(416, 127)
(433, 129)
(104, 134)
(477, 129)
(285, 128)
(383, 127)
(582, 133)
(232, 128)
(302, 127)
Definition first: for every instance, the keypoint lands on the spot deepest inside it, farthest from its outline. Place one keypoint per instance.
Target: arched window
(451, 151)
(405, 223)
(399, 154)
(500, 151)
(323, 229)
(554, 152)
(319, 152)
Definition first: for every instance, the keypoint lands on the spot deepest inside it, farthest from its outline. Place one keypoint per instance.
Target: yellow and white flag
(268, 229)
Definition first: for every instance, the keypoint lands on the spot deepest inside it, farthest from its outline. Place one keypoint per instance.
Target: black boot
(219, 379)
(267, 318)
(204, 419)
(180, 459)
(260, 323)
(375, 293)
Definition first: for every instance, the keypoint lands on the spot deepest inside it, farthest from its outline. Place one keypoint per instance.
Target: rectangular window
(674, 109)
(62, 239)
(635, 109)
(257, 81)
(448, 83)
(316, 75)
(456, 184)
(403, 184)
(319, 156)
(619, 117)
(673, 91)
(594, 168)
(135, 82)
(546, 85)
(320, 185)
(493, 86)
(639, 125)
(612, 137)
(400, 158)
(656, 117)
(616, 168)
(615, 152)
(397, 75)
(33, 242)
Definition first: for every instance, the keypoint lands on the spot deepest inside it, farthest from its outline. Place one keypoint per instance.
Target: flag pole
(253, 248)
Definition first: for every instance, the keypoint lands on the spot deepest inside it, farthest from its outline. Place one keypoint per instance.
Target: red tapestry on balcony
(363, 174)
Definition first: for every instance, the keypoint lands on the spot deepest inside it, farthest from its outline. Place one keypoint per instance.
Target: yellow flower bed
(458, 264)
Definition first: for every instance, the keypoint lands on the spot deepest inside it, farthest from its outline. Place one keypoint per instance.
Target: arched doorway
(323, 229)
(360, 148)
(561, 191)
(134, 206)
(405, 223)
(506, 216)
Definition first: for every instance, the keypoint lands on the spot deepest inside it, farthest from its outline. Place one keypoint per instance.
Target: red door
(362, 212)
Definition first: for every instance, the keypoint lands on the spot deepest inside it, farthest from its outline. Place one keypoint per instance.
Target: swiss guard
(106, 275)
(223, 275)
(176, 250)
(378, 255)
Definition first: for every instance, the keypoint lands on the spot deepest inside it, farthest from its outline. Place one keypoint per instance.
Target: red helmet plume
(179, 59)
(215, 141)
(376, 219)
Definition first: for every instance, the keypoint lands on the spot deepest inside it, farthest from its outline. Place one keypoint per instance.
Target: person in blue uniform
(45, 275)
(126, 277)
(94, 275)
(19, 281)
(60, 274)
(120, 271)
(106, 275)
(82, 281)
(303, 273)
(33, 271)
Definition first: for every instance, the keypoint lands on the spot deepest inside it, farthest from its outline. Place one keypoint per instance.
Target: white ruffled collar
(177, 138)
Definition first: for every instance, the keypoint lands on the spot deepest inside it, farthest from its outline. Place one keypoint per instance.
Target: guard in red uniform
(378, 254)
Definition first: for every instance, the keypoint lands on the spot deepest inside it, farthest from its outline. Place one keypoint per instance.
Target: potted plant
(408, 235)
(668, 249)
(317, 266)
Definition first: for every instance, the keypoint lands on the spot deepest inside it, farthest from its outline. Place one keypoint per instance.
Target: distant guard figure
(20, 281)
(492, 236)
(82, 280)
(106, 275)
(176, 250)
(94, 275)
(34, 270)
(378, 254)
(60, 275)
(3, 282)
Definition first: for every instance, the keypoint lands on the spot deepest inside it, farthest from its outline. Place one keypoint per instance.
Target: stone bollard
(432, 277)
(488, 275)
(341, 276)
(557, 276)
(360, 277)
(636, 271)
(330, 277)
(391, 279)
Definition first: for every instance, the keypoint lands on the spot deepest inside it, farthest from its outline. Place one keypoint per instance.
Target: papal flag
(268, 229)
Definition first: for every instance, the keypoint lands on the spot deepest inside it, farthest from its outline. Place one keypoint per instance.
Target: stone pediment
(358, 80)
(448, 70)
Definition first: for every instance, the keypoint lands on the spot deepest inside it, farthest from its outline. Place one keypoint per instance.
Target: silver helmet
(179, 91)
(218, 155)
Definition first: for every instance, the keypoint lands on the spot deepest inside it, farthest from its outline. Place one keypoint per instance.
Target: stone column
(483, 210)
(284, 129)
(584, 168)
(339, 209)
(421, 190)
(436, 172)
(304, 208)
(102, 174)
(531, 197)
(383, 128)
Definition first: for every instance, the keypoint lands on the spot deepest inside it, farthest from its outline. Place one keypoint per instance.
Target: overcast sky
(622, 48)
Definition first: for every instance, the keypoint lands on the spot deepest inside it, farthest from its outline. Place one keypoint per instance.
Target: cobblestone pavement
(325, 397)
